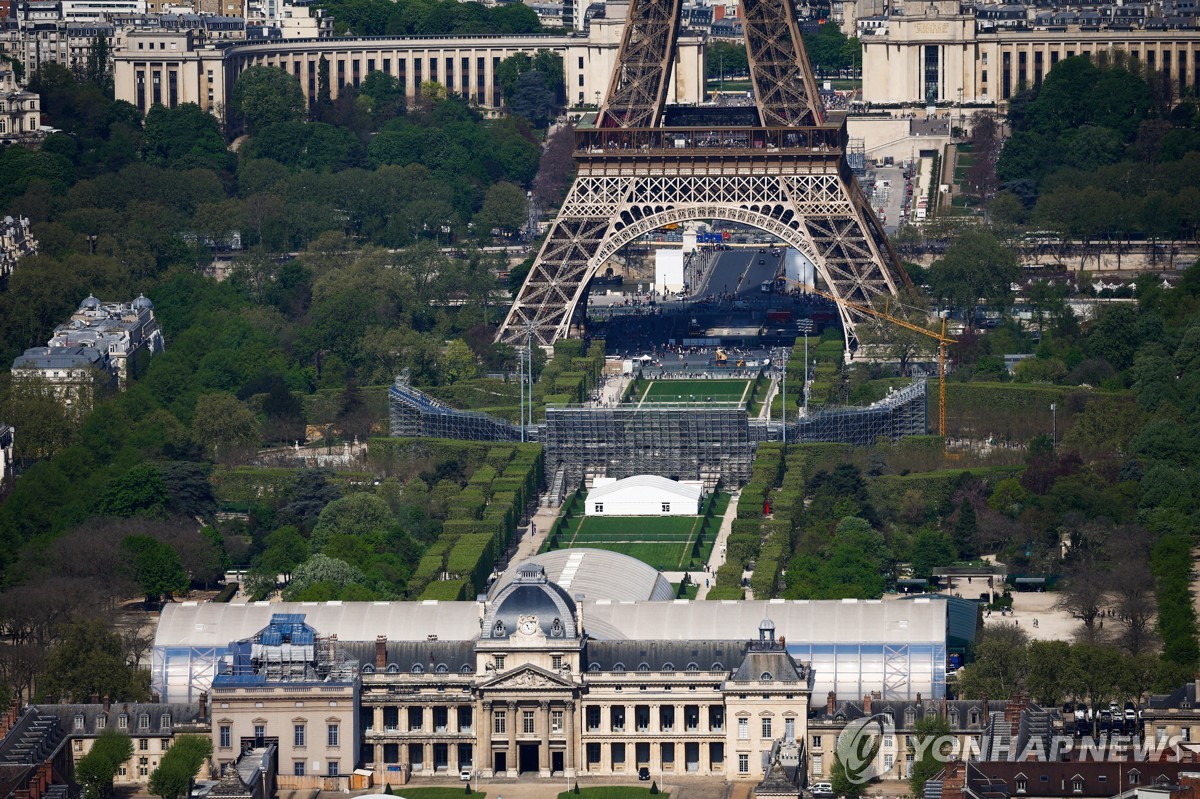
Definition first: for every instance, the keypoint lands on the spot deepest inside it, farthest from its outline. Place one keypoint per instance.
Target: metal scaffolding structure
(414, 414)
(680, 441)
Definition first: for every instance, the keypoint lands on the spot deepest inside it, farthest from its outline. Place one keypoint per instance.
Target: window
(527, 722)
(499, 722)
(143, 744)
(1135, 777)
(599, 507)
(298, 735)
(144, 721)
(743, 729)
(818, 764)
(743, 764)
(143, 766)
(332, 735)
(260, 731)
(556, 662)
(78, 744)
(79, 721)
(335, 768)
(766, 727)
(789, 729)
(1077, 784)
(888, 761)
(889, 741)
(556, 721)
(498, 661)
(298, 768)
(666, 507)
(816, 742)
(226, 736)
(101, 722)
(1186, 734)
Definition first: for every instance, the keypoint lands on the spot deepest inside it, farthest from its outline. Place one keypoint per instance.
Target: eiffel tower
(782, 169)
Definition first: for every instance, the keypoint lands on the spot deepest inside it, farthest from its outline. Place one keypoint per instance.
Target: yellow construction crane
(942, 339)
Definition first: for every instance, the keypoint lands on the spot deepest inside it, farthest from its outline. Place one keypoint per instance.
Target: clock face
(529, 626)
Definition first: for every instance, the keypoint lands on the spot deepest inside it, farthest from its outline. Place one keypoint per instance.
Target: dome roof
(530, 596)
(595, 573)
(89, 303)
(143, 303)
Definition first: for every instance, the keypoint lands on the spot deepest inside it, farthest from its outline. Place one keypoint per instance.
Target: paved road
(739, 272)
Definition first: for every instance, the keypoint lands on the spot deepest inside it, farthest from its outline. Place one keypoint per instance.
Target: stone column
(542, 726)
(513, 721)
(572, 744)
(378, 749)
(378, 725)
(427, 719)
(483, 737)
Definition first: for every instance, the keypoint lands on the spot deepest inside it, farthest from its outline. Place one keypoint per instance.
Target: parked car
(465, 774)
(822, 790)
(644, 774)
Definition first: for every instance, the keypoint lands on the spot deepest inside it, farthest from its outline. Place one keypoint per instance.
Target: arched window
(668, 667)
(466, 669)
(393, 668)
(498, 629)
(594, 667)
(418, 668)
(442, 668)
(619, 667)
(716, 667)
(556, 629)
(766, 676)
(693, 667)
(368, 669)
(643, 667)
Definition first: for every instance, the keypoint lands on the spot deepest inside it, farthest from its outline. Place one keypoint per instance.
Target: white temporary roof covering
(202, 624)
(647, 481)
(597, 574)
(191, 624)
(825, 621)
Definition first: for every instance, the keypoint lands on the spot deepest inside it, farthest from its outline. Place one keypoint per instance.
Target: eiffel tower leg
(854, 255)
(563, 266)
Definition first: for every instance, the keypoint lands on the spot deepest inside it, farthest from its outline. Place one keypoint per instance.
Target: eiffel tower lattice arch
(785, 174)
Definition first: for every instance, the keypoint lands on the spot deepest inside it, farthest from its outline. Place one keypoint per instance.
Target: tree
(931, 739)
(95, 770)
(97, 69)
(225, 428)
(931, 550)
(505, 207)
(843, 786)
(976, 266)
(896, 341)
(180, 765)
(458, 362)
(321, 569)
(509, 71)
(1048, 681)
(1001, 663)
(90, 661)
(139, 492)
(185, 137)
(534, 99)
(965, 530)
(725, 58)
(1083, 594)
(360, 514)
(265, 96)
(156, 567)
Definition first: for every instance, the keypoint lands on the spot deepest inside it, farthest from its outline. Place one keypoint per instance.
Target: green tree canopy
(265, 96)
(225, 428)
(156, 567)
(180, 765)
(975, 267)
(931, 739)
(359, 514)
(185, 137)
(95, 770)
(90, 661)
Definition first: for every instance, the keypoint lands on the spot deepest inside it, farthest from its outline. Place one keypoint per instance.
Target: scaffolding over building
(681, 441)
(286, 650)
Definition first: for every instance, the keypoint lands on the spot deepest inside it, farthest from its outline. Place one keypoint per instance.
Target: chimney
(867, 704)
(94, 699)
(944, 713)
(918, 698)
(381, 652)
(831, 703)
(203, 707)
(987, 710)
(954, 780)
(107, 703)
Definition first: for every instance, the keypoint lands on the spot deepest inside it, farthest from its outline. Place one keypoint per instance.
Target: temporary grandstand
(682, 441)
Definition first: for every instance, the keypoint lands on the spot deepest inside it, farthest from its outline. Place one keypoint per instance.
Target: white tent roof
(801, 621)
(597, 574)
(202, 624)
(191, 624)
(651, 481)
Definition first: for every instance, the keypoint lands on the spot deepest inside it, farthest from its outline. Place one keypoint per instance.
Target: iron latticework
(787, 176)
(414, 414)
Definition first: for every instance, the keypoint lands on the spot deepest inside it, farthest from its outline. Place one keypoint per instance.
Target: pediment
(527, 678)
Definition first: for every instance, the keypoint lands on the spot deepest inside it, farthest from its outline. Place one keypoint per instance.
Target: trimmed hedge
(447, 591)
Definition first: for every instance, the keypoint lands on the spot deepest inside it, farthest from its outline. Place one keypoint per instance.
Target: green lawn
(611, 792)
(730, 391)
(664, 542)
(689, 592)
(436, 793)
